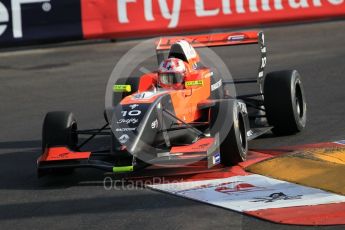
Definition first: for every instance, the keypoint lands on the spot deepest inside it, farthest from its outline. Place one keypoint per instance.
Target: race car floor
(74, 77)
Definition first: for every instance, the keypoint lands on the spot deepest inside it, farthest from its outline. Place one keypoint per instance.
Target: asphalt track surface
(73, 77)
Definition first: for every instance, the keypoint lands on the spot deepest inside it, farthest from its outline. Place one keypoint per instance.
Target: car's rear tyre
(285, 103)
(234, 141)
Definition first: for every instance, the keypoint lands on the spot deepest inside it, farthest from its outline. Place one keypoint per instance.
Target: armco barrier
(32, 21)
(27, 21)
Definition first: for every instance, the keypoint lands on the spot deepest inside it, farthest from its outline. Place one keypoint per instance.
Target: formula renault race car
(180, 114)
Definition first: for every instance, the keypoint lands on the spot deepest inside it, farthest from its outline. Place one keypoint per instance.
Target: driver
(172, 73)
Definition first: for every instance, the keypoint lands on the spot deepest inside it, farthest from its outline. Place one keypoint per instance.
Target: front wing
(61, 158)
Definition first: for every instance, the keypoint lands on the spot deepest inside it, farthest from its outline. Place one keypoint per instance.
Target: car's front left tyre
(230, 121)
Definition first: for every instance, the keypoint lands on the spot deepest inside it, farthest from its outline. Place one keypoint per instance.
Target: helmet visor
(170, 78)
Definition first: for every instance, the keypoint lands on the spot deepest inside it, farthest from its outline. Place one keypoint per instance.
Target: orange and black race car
(180, 114)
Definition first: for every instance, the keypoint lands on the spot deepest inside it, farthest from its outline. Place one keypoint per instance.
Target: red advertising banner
(135, 18)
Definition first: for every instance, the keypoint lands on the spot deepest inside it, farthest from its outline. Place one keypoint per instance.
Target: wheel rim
(242, 135)
(298, 108)
(299, 102)
(74, 135)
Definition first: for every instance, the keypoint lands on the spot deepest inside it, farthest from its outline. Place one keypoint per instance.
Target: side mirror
(190, 93)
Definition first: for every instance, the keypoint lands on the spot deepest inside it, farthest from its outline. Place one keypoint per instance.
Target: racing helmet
(171, 73)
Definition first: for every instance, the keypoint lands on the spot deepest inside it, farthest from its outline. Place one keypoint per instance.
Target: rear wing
(209, 40)
(219, 39)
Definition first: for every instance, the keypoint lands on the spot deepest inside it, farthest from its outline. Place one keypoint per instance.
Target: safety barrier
(28, 21)
(33, 21)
